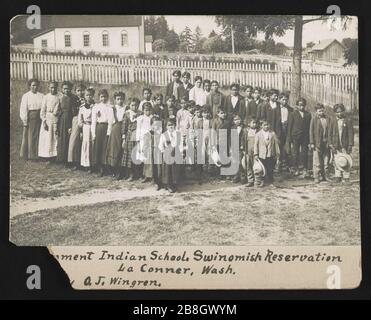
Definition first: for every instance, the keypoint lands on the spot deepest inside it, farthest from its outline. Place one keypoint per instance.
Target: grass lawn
(294, 212)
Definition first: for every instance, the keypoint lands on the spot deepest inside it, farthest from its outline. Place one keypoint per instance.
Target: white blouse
(198, 95)
(50, 108)
(84, 116)
(99, 114)
(30, 101)
(120, 113)
(143, 126)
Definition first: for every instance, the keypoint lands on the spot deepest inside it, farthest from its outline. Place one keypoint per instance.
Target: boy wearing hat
(319, 143)
(267, 151)
(341, 141)
(298, 136)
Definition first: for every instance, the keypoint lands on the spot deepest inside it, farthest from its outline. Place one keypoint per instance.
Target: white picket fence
(325, 87)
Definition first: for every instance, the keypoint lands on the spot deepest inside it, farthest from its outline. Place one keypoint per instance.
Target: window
(44, 43)
(105, 40)
(67, 39)
(124, 38)
(86, 39)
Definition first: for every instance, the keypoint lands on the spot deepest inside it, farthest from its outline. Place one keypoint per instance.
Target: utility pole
(232, 36)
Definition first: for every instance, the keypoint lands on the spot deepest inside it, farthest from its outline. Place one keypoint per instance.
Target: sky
(312, 32)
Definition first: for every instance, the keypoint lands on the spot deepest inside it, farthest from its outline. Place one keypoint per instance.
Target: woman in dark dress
(129, 126)
(114, 133)
(68, 103)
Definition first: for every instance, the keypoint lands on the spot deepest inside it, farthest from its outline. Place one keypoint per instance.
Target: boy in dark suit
(237, 125)
(186, 86)
(248, 95)
(215, 99)
(263, 101)
(235, 103)
(172, 87)
(218, 140)
(298, 136)
(286, 110)
(253, 104)
(341, 138)
(271, 112)
(319, 143)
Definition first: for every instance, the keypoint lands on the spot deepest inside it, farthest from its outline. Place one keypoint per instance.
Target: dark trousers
(284, 157)
(269, 164)
(300, 147)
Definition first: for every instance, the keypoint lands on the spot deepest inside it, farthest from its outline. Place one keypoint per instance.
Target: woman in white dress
(49, 121)
(84, 122)
(30, 115)
(197, 93)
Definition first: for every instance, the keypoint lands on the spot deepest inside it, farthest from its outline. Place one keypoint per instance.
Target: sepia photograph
(174, 130)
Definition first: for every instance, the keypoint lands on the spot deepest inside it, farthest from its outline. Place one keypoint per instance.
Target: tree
(183, 46)
(198, 33)
(159, 45)
(280, 49)
(268, 46)
(276, 25)
(347, 42)
(212, 34)
(351, 51)
(149, 26)
(214, 44)
(186, 40)
(156, 27)
(198, 40)
(172, 41)
(161, 27)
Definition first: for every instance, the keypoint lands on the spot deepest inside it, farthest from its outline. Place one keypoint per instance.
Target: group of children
(133, 138)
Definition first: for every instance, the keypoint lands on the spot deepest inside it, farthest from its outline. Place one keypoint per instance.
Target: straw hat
(258, 167)
(343, 161)
(216, 158)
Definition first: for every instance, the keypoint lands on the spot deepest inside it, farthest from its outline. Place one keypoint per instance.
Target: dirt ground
(52, 205)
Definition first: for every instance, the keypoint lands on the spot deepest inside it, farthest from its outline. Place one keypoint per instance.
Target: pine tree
(186, 38)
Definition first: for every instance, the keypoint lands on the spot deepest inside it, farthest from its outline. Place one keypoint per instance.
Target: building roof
(52, 22)
(148, 38)
(323, 44)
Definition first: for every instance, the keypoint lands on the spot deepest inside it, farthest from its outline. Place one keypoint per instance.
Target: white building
(99, 33)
